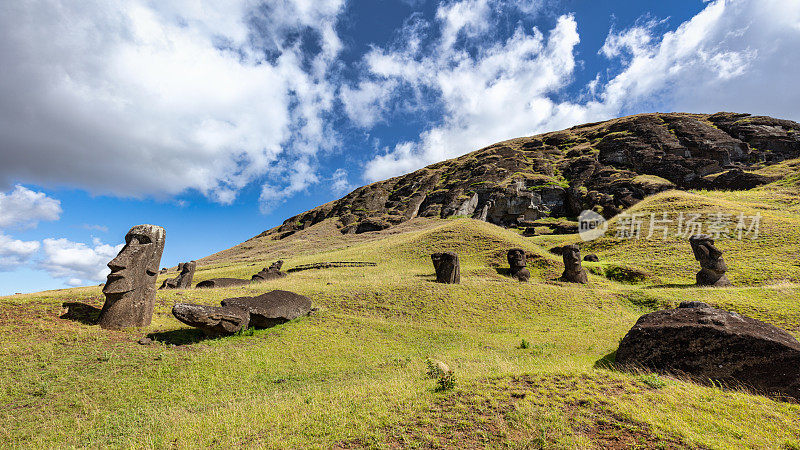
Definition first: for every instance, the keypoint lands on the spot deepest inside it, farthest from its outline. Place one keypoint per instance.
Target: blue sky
(218, 120)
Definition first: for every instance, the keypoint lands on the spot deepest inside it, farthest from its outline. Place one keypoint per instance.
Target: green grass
(353, 374)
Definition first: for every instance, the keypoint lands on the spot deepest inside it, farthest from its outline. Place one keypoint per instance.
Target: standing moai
(448, 269)
(573, 270)
(713, 267)
(130, 289)
(184, 278)
(518, 262)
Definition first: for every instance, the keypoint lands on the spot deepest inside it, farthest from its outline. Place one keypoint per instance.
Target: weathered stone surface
(273, 272)
(184, 278)
(222, 282)
(447, 266)
(517, 263)
(130, 287)
(273, 308)
(573, 271)
(713, 267)
(591, 257)
(712, 344)
(213, 320)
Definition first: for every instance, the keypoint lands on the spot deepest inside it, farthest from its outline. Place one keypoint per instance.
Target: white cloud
(25, 208)
(734, 55)
(339, 183)
(142, 97)
(77, 261)
(14, 253)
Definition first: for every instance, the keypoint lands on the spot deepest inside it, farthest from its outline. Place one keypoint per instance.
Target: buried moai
(713, 267)
(184, 278)
(573, 271)
(518, 264)
(273, 272)
(448, 269)
(130, 289)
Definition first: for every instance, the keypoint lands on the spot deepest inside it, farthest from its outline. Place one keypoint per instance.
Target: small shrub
(653, 380)
(446, 382)
(524, 344)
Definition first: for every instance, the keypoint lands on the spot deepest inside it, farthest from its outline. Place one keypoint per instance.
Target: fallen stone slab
(213, 320)
(706, 344)
(222, 282)
(273, 308)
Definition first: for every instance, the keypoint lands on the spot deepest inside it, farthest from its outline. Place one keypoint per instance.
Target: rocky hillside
(604, 166)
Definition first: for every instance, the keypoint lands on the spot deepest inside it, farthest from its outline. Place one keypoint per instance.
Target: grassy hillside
(352, 374)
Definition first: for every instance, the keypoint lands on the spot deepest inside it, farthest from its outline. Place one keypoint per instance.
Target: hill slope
(606, 166)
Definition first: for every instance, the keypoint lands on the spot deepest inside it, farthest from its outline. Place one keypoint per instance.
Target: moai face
(572, 258)
(130, 288)
(516, 259)
(136, 265)
(707, 254)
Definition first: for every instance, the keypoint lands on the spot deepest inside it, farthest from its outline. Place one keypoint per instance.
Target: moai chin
(447, 266)
(130, 289)
(517, 263)
(713, 267)
(573, 271)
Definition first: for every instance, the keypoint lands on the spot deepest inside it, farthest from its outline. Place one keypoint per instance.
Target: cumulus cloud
(734, 55)
(25, 208)
(140, 97)
(77, 262)
(14, 253)
(339, 183)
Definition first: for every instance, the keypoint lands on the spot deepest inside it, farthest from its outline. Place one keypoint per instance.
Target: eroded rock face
(447, 266)
(518, 263)
(273, 308)
(573, 270)
(713, 267)
(184, 278)
(712, 344)
(273, 272)
(213, 320)
(130, 288)
(222, 282)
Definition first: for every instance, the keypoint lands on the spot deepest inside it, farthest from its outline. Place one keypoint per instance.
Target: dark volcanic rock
(184, 278)
(272, 308)
(130, 289)
(712, 344)
(447, 266)
(222, 282)
(213, 320)
(573, 271)
(591, 257)
(273, 272)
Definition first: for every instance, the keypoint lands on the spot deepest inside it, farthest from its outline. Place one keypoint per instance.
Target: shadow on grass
(673, 285)
(183, 336)
(607, 361)
(81, 312)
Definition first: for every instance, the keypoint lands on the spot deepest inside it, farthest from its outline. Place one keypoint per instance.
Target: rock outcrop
(605, 166)
(712, 344)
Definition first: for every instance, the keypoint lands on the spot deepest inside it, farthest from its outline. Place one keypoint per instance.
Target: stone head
(188, 267)
(572, 257)
(710, 257)
(516, 258)
(136, 265)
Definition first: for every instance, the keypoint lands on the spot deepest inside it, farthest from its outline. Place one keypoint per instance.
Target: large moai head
(130, 288)
(713, 267)
(573, 271)
(447, 266)
(517, 263)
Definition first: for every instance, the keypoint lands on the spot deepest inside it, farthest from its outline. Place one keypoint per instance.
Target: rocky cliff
(604, 166)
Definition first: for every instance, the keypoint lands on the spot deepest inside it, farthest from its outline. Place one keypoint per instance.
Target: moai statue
(448, 269)
(713, 267)
(184, 278)
(573, 271)
(517, 262)
(273, 272)
(130, 289)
